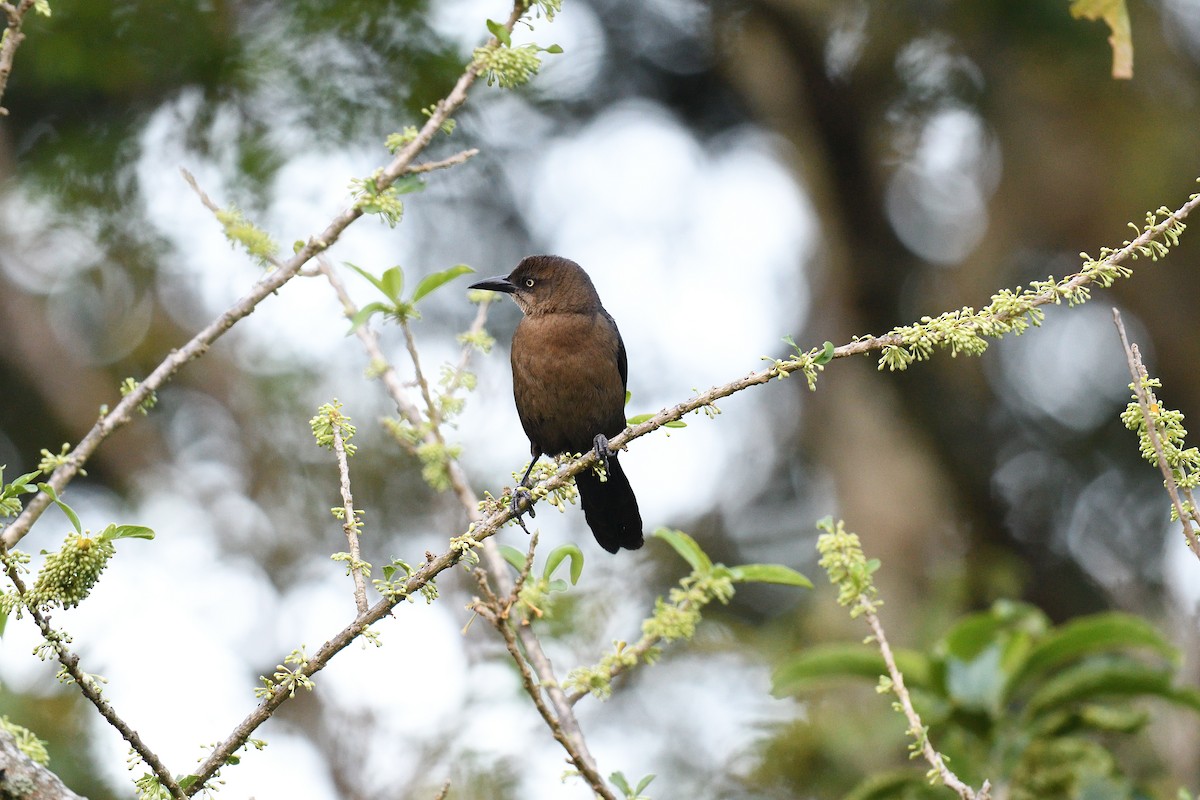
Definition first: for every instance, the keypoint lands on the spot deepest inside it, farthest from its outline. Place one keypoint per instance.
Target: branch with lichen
(850, 570)
(1161, 435)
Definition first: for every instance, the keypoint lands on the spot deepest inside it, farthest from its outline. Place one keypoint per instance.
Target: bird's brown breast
(566, 381)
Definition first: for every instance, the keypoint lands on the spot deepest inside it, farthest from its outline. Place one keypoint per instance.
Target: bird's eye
(529, 282)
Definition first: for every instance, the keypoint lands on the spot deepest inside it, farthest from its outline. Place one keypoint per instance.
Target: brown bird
(569, 374)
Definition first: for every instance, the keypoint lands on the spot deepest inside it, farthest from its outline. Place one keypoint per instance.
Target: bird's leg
(600, 445)
(522, 495)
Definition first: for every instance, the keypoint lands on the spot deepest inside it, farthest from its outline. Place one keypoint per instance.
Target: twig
(350, 522)
(89, 689)
(14, 17)
(454, 160)
(1147, 401)
(916, 728)
(494, 611)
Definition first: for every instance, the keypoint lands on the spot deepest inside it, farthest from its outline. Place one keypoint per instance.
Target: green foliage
(52, 461)
(1013, 699)
(392, 587)
(391, 285)
(1184, 462)
(67, 576)
(27, 742)
(241, 231)
(618, 780)
(10, 503)
(537, 594)
(1015, 311)
(848, 568)
(508, 65)
(329, 418)
(289, 675)
(677, 616)
(808, 363)
(373, 196)
(129, 386)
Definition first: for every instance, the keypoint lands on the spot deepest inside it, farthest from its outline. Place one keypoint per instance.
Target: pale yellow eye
(529, 282)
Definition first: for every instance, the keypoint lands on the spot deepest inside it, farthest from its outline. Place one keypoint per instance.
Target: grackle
(569, 374)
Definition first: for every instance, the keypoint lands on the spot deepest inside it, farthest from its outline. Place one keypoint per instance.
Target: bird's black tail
(611, 508)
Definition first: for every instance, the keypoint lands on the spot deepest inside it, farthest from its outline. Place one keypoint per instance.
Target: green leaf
(687, 548)
(388, 571)
(618, 780)
(890, 785)
(769, 573)
(66, 509)
(365, 313)
(554, 48)
(513, 556)
(818, 667)
(437, 279)
(3, 622)
(408, 184)
(977, 683)
(556, 557)
(392, 283)
(378, 284)
(500, 32)
(826, 354)
(1098, 633)
(21, 482)
(186, 781)
(127, 532)
(1096, 678)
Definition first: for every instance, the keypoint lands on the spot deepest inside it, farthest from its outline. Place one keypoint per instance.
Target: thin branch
(916, 728)
(89, 688)
(350, 522)
(1147, 401)
(452, 161)
(495, 611)
(14, 17)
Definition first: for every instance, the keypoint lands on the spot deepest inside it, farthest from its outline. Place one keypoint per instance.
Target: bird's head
(546, 285)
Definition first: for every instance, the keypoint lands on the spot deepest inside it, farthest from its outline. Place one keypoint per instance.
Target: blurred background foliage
(945, 149)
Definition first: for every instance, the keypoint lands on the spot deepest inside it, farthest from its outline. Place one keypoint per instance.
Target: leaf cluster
(1011, 698)
(676, 616)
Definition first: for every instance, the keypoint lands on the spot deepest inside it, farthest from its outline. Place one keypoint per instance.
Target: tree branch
(915, 726)
(1148, 403)
(350, 522)
(91, 690)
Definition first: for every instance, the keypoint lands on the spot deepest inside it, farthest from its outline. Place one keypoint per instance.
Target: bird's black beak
(500, 283)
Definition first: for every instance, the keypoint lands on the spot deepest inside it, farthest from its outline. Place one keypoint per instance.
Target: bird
(570, 370)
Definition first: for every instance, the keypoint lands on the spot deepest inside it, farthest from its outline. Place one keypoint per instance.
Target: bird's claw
(520, 496)
(600, 445)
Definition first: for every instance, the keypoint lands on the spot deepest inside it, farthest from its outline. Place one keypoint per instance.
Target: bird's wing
(622, 360)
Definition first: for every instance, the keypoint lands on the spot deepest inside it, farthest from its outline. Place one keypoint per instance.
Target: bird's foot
(600, 445)
(522, 501)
